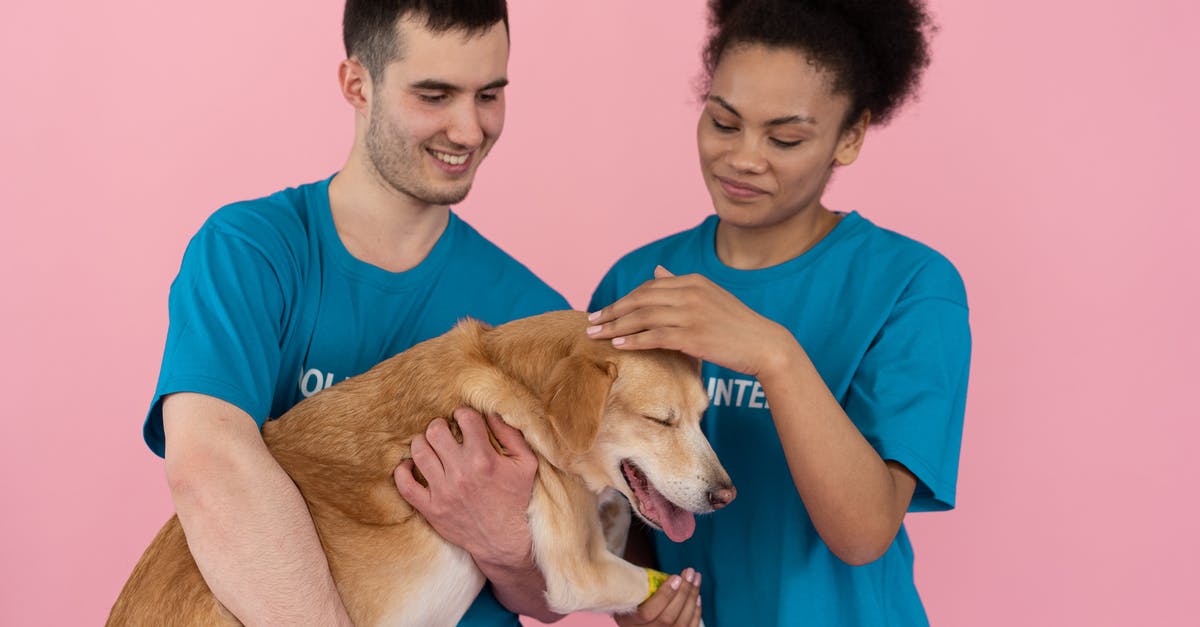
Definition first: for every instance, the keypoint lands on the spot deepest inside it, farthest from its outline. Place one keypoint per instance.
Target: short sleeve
(909, 392)
(226, 319)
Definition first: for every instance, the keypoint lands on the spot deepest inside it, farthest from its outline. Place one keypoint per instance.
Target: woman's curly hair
(875, 50)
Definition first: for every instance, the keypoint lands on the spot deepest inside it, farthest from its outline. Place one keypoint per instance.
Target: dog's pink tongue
(679, 524)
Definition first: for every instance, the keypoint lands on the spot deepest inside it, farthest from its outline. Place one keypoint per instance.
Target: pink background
(1052, 158)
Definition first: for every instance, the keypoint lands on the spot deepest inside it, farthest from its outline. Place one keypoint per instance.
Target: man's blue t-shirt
(884, 320)
(269, 308)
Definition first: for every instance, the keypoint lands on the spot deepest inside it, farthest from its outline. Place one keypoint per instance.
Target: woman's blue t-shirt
(884, 320)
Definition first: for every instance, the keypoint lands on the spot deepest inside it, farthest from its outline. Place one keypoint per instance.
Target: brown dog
(598, 419)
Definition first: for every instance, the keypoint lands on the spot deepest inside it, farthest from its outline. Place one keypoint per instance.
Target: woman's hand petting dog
(477, 497)
(693, 315)
(675, 603)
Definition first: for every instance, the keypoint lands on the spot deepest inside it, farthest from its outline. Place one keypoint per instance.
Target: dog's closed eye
(666, 422)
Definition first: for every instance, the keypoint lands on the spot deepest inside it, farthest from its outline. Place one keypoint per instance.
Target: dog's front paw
(615, 587)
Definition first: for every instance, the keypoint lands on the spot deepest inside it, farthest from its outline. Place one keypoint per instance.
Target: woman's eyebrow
(787, 119)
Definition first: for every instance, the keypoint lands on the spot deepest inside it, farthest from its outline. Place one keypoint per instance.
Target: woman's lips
(737, 189)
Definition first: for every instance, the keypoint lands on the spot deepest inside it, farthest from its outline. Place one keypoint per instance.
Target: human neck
(754, 248)
(379, 225)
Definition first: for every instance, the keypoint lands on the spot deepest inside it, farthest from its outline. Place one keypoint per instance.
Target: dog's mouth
(679, 524)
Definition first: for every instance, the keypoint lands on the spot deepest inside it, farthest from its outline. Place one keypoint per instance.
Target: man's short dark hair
(369, 26)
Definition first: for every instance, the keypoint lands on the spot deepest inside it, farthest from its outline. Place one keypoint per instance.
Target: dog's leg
(570, 548)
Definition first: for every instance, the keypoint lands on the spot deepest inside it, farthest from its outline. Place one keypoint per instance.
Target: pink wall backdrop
(1052, 158)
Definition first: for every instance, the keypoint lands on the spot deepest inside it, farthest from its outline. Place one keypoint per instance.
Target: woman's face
(769, 135)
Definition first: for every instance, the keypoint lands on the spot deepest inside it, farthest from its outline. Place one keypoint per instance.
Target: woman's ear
(575, 398)
(851, 140)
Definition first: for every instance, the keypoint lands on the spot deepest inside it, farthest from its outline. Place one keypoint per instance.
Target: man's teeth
(451, 159)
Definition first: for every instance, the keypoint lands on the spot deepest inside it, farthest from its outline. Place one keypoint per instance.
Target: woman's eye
(721, 127)
(783, 144)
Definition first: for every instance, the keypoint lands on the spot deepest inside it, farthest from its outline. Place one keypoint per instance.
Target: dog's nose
(721, 497)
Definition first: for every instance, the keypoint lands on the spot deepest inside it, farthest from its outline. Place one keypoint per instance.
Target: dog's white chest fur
(440, 600)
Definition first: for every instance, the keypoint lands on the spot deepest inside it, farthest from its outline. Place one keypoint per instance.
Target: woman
(835, 352)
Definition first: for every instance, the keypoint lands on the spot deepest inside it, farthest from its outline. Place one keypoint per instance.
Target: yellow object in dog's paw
(657, 578)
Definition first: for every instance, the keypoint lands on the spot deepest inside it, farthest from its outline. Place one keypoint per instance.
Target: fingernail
(697, 581)
(674, 582)
(594, 316)
(593, 330)
(687, 574)
(617, 341)
(697, 601)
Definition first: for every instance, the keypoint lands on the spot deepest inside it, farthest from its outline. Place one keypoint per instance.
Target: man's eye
(489, 96)
(431, 97)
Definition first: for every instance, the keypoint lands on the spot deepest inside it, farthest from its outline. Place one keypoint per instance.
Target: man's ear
(356, 86)
(575, 398)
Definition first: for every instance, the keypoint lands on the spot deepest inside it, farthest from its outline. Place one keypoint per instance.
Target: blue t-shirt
(269, 307)
(884, 320)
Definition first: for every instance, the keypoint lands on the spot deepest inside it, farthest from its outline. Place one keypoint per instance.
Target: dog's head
(630, 420)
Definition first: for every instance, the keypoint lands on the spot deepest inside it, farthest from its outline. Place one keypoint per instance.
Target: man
(280, 297)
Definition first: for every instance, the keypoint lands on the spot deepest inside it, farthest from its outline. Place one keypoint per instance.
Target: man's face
(438, 110)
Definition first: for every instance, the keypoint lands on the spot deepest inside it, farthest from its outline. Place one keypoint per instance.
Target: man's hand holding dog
(478, 498)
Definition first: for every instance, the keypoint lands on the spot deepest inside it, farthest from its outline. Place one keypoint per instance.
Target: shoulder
(269, 240)
(479, 261)
(923, 271)
(279, 231)
(280, 219)
(671, 247)
(679, 253)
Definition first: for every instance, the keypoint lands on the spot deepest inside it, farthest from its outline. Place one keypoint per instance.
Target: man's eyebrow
(496, 84)
(787, 119)
(434, 84)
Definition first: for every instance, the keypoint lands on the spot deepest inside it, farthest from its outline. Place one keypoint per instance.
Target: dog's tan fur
(582, 405)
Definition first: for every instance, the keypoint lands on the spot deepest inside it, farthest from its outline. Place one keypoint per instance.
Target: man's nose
(465, 129)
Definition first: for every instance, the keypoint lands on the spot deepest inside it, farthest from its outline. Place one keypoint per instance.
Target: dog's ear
(575, 398)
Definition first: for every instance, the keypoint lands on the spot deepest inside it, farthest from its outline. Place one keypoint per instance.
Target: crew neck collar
(332, 243)
(719, 271)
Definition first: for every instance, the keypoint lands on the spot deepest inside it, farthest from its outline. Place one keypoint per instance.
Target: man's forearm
(246, 524)
(259, 552)
(521, 588)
